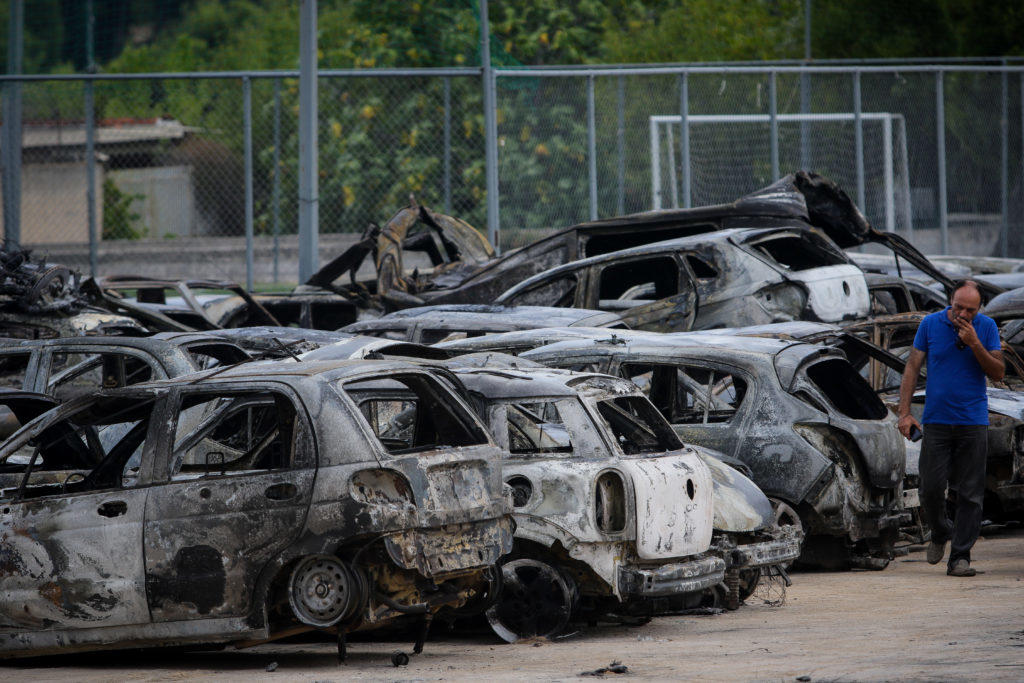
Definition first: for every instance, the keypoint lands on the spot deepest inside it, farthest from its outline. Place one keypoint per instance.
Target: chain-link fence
(179, 165)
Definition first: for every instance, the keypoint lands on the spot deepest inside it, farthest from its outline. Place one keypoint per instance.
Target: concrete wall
(167, 205)
(53, 207)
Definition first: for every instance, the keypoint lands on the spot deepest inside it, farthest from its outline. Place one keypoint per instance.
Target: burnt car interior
(409, 414)
(101, 445)
(537, 427)
(689, 394)
(559, 292)
(76, 374)
(846, 389)
(13, 367)
(223, 434)
(797, 251)
(654, 278)
(637, 426)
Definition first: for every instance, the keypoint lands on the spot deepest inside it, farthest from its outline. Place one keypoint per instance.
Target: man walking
(961, 347)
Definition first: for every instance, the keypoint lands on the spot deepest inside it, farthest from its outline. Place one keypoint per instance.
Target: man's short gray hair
(960, 284)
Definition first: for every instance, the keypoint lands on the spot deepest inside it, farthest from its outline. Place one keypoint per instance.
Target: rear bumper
(671, 579)
(451, 549)
(784, 548)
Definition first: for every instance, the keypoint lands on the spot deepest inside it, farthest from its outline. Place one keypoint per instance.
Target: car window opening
(410, 414)
(846, 390)
(234, 433)
(537, 428)
(658, 278)
(637, 426)
(798, 252)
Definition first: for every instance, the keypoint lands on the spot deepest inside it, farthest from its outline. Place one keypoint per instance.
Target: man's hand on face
(966, 331)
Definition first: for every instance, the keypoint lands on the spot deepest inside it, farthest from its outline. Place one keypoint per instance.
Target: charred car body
(612, 512)
(741, 276)
(583, 493)
(432, 324)
(465, 270)
(243, 505)
(815, 436)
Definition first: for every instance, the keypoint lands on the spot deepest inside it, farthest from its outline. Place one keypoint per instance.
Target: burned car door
(239, 472)
(702, 402)
(72, 529)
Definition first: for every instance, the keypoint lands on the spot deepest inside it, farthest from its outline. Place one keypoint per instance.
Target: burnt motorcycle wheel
(537, 600)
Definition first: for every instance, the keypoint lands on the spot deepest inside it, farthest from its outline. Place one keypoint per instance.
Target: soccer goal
(729, 155)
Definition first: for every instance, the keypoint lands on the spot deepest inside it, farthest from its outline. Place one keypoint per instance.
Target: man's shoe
(961, 568)
(936, 551)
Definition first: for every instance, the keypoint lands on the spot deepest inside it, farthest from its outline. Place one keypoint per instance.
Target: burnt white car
(245, 504)
(815, 436)
(611, 510)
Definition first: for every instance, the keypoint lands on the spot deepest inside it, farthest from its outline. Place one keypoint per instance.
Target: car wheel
(537, 600)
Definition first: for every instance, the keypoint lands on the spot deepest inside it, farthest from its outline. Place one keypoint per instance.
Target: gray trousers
(954, 455)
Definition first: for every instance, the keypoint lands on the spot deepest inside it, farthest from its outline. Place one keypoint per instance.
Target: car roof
(527, 382)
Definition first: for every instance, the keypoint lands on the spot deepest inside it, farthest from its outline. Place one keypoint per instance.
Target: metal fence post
(805, 129)
(591, 148)
(940, 140)
(447, 180)
(275, 192)
(90, 141)
(684, 136)
(90, 176)
(1004, 164)
(247, 142)
(490, 131)
(620, 145)
(858, 137)
(309, 185)
(773, 98)
(12, 125)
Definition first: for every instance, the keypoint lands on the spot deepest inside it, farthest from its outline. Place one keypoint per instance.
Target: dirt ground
(910, 621)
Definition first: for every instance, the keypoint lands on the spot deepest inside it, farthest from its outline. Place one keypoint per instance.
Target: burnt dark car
(465, 271)
(245, 504)
(740, 276)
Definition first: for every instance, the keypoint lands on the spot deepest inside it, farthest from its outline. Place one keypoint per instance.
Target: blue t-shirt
(955, 383)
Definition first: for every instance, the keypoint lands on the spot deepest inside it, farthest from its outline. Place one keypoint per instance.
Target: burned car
(816, 438)
(70, 367)
(466, 271)
(613, 514)
(586, 456)
(40, 300)
(729, 278)
(242, 505)
(432, 324)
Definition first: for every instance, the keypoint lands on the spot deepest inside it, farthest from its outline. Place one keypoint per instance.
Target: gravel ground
(909, 622)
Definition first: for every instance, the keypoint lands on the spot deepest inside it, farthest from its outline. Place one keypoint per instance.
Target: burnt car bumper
(453, 548)
(671, 579)
(784, 546)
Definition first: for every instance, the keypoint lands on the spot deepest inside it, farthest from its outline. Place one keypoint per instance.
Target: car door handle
(112, 508)
(281, 491)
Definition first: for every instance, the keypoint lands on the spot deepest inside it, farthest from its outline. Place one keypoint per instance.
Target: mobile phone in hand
(915, 433)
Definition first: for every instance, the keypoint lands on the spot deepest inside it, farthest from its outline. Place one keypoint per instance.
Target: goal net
(729, 155)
